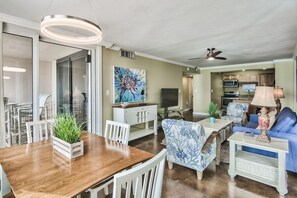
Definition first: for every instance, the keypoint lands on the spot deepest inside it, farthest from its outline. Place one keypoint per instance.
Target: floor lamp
(264, 98)
(278, 93)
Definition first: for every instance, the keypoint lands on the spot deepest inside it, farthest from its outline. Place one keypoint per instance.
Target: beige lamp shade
(264, 97)
(278, 93)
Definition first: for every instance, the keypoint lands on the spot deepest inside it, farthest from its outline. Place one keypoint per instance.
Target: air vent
(127, 54)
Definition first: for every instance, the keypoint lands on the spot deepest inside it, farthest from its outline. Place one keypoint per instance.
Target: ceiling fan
(211, 55)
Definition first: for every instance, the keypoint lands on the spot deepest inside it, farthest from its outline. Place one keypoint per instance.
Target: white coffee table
(224, 127)
(267, 170)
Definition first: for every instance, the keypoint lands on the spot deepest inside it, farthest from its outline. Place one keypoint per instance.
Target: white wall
(45, 77)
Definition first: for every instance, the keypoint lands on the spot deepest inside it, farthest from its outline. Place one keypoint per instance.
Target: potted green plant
(66, 138)
(212, 108)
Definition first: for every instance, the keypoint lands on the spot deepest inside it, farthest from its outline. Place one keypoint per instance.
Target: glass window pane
(17, 74)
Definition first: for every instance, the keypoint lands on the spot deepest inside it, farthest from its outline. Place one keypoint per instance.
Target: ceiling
(245, 31)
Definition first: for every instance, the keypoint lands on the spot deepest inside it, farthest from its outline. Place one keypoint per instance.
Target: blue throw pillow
(284, 122)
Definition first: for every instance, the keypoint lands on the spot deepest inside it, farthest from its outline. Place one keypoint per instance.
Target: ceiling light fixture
(6, 77)
(71, 29)
(50, 24)
(13, 69)
(210, 58)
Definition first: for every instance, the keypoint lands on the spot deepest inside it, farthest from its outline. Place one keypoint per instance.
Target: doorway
(187, 82)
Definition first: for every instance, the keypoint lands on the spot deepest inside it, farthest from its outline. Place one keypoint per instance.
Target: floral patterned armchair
(237, 112)
(188, 145)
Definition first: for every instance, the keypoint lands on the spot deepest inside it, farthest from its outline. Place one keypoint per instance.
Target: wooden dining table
(36, 170)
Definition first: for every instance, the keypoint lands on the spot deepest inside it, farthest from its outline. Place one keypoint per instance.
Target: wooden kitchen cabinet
(253, 77)
(242, 77)
(266, 79)
(246, 77)
(229, 77)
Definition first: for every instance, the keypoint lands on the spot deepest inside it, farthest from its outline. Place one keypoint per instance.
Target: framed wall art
(129, 85)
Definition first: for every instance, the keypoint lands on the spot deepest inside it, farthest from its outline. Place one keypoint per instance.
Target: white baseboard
(201, 113)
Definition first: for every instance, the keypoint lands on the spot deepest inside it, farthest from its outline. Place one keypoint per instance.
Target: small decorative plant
(212, 108)
(67, 129)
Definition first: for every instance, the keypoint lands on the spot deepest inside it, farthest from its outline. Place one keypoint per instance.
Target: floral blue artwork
(129, 85)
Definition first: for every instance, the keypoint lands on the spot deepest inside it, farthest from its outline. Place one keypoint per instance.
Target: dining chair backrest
(117, 131)
(146, 179)
(39, 130)
(7, 128)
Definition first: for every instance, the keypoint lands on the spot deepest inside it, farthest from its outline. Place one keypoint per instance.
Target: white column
(98, 80)
(2, 118)
(35, 60)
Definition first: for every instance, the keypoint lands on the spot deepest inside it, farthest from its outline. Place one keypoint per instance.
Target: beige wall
(158, 75)
(285, 78)
(216, 88)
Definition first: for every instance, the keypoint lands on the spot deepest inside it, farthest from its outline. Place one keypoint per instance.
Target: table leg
(282, 174)
(231, 170)
(4, 184)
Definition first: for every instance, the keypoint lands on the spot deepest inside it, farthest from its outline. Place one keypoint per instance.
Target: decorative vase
(212, 120)
(68, 150)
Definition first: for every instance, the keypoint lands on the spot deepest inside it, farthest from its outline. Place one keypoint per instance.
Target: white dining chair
(142, 181)
(118, 132)
(7, 129)
(39, 130)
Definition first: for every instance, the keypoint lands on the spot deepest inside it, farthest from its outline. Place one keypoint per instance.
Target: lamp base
(263, 137)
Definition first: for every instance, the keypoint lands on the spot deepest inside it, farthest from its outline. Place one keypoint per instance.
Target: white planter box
(68, 150)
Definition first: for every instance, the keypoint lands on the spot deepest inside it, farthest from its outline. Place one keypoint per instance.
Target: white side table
(267, 170)
(224, 127)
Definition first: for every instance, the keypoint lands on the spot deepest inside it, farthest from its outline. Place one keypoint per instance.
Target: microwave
(230, 83)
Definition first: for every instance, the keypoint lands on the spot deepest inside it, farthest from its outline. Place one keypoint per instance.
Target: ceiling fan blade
(216, 53)
(221, 58)
(194, 58)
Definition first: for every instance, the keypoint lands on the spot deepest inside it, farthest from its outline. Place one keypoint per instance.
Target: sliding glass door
(73, 86)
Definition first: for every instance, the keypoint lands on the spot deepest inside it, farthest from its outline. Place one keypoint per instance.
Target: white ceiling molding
(19, 21)
(163, 59)
(238, 65)
(283, 60)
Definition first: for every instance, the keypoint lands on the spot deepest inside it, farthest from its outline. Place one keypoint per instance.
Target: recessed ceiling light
(13, 69)
(6, 77)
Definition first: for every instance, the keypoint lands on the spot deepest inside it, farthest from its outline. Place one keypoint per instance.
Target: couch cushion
(284, 121)
(252, 125)
(293, 129)
(283, 113)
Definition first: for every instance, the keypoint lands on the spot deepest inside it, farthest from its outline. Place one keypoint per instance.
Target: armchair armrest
(244, 118)
(208, 143)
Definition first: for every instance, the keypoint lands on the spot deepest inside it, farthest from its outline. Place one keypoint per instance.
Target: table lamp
(264, 98)
(278, 93)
